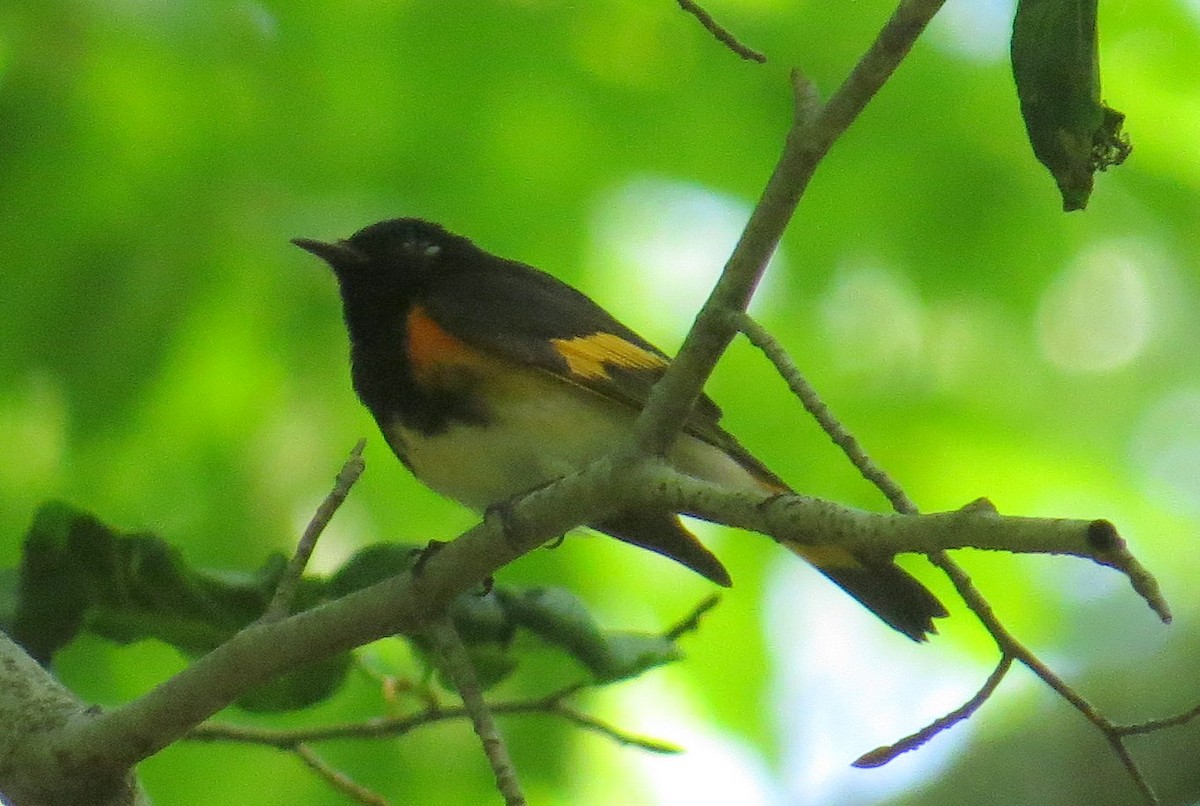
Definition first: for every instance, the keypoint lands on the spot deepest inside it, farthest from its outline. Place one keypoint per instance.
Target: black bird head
(395, 256)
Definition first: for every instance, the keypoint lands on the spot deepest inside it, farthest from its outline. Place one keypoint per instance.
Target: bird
(489, 378)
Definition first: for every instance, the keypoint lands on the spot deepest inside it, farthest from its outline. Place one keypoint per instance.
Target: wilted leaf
(1056, 66)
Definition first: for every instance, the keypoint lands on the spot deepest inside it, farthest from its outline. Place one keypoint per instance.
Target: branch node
(805, 98)
(980, 506)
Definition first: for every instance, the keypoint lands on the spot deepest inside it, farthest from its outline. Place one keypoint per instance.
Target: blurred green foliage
(170, 362)
(79, 575)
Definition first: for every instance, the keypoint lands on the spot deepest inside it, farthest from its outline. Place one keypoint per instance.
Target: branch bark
(813, 132)
(456, 662)
(35, 709)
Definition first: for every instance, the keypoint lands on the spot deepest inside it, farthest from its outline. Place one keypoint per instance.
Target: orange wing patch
(587, 356)
(433, 351)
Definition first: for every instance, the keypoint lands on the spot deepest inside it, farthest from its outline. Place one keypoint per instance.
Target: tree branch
(34, 709)
(1096, 540)
(815, 406)
(802, 519)
(552, 705)
(1100, 540)
(457, 665)
(808, 140)
(403, 604)
(882, 755)
(285, 592)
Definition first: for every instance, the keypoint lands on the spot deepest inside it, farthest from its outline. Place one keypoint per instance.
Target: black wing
(535, 319)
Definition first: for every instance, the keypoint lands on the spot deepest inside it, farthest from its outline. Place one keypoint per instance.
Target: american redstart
(489, 378)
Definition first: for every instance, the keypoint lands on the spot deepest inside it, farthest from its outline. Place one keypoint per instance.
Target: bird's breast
(535, 429)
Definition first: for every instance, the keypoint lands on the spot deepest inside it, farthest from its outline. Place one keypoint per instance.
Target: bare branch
(1009, 645)
(588, 722)
(882, 755)
(721, 33)
(285, 592)
(551, 705)
(34, 708)
(401, 604)
(336, 778)
(1097, 540)
(1159, 724)
(691, 621)
(456, 662)
(808, 140)
(816, 407)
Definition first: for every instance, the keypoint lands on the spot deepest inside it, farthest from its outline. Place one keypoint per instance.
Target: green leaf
(77, 573)
(371, 564)
(307, 685)
(482, 619)
(51, 591)
(1056, 66)
(559, 617)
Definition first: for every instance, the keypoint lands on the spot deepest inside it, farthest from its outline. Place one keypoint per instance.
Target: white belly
(533, 440)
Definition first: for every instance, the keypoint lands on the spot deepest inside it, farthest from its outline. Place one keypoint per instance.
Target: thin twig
(1159, 724)
(815, 406)
(285, 591)
(588, 722)
(721, 33)
(691, 621)
(882, 755)
(1009, 646)
(552, 704)
(336, 778)
(457, 663)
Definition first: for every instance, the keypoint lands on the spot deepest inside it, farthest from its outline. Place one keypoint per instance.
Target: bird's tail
(880, 585)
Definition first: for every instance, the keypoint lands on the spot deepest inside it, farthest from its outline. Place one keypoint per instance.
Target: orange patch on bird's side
(588, 356)
(431, 348)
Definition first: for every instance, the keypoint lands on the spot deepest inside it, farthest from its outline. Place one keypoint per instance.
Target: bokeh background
(169, 362)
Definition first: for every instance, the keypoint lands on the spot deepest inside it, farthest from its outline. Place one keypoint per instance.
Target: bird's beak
(339, 253)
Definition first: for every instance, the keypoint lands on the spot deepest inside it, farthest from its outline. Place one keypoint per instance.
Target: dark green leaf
(305, 686)
(1056, 65)
(559, 617)
(369, 565)
(51, 593)
(493, 663)
(77, 573)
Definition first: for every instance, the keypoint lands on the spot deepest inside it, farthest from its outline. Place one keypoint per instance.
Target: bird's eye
(421, 249)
